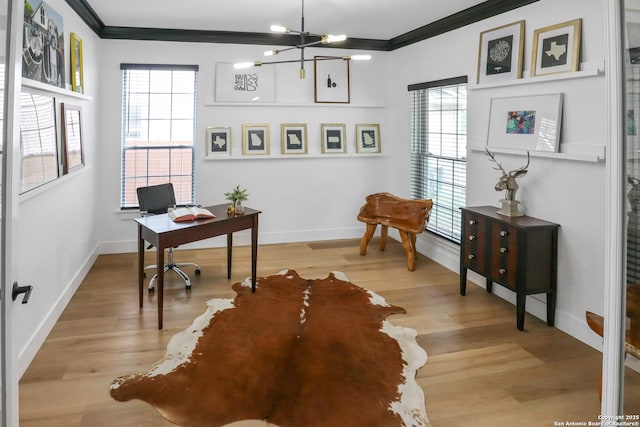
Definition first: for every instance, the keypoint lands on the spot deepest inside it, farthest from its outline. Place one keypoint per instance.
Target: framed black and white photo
(255, 84)
(218, 141)
(556, 49)
(255, 139)
(500, 53)
(331, 83)
(294, 138)
(526, 123)
(334, 138)
(368, 138)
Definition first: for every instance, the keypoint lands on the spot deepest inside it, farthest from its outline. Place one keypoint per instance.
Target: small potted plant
(237, 196)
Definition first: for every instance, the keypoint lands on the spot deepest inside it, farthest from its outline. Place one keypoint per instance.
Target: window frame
(182, 196)
(445, 218)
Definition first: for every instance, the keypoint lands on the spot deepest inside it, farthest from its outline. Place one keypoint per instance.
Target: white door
(11, 19)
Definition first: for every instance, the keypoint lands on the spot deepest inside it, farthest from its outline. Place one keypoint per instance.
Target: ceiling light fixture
(323, 39)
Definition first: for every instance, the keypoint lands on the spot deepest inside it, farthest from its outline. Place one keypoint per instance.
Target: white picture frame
(218, 141)
(256, 84)
(526, 123)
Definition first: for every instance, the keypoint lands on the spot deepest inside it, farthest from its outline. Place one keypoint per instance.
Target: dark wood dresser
(519, 253)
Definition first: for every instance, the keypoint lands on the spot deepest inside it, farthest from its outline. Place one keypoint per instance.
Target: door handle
(17, 290)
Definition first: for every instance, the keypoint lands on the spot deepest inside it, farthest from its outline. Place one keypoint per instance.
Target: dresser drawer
(504, 254)
(474, 242)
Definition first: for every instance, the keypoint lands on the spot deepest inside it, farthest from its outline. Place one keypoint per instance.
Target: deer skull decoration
(508, 179)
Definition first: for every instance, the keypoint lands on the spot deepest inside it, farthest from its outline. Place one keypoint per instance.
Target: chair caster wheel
(197, 272)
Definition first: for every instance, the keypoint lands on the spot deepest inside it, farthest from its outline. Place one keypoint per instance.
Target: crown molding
(465, 17)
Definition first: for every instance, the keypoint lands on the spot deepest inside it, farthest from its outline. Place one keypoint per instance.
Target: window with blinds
(439, 151)
(158, 129)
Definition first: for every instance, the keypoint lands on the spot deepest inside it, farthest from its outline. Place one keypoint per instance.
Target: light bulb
(330, 38)
(271, 52)
(279, 29)
(241, 65)
(360, 57)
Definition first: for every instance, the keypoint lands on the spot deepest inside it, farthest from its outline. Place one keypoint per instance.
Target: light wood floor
(481, 370)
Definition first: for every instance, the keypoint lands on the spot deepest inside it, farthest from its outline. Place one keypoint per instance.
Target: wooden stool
(406, 215)
(632, 338)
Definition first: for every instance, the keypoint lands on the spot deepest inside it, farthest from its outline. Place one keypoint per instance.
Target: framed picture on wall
(368, 138)
(294, 138)
(500, 53)
(255, 139)
(334, 138)
(218, 141)
(77, 70)
(256, 84)
(73, 148)
(526, 122)
(331, 84)
(556, 49)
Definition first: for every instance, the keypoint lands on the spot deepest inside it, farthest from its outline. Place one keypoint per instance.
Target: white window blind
(439, 151)
(158, 129)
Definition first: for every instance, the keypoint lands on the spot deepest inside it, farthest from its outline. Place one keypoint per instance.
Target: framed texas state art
(218, 141)
(500, 53)
(556, 49)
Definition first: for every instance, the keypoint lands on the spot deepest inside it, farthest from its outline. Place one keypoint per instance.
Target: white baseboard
(243, 238)
(26, 354)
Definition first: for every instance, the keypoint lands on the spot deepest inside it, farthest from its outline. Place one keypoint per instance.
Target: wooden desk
(519, 253)
(163, 233)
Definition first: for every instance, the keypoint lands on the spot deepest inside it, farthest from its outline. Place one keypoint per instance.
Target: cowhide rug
(297, 353)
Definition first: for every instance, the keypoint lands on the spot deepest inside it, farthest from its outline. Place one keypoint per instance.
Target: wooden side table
(519, 253)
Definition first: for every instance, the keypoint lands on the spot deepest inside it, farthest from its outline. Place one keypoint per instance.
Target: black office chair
(154, 200)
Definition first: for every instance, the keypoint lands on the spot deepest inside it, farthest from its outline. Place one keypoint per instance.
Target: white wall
(56, 223)
(63, 225)
(568, 192)
(309, 197)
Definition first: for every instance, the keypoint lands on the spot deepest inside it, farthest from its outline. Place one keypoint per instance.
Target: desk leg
(463, 280)
(254, 252)
(140, 265)
(229, 253)
(160, 282)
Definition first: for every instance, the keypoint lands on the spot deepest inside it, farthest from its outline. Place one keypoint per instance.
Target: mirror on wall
(38, 141)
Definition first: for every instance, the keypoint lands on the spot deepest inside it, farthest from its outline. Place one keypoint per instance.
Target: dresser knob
(472, 237)
(502, 270)
(473, 222)
(471, 256)
(504, 233)
(503, 250)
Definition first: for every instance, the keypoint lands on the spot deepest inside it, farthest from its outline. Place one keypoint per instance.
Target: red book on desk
(189, 213)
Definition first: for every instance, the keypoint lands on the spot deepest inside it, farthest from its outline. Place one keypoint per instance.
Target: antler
(499, 168)
(523, 170)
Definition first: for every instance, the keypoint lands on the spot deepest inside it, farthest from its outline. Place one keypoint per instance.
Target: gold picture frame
(334, 138)
(255, 139)
(294, 138)
(500, 53)
(77, 69)
(368, 138)
(556, 48)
